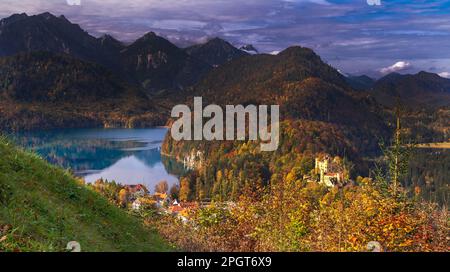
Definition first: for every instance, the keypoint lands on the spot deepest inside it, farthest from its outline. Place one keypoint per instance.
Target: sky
(373, 37)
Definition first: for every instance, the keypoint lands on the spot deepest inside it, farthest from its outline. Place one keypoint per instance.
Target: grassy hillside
(43, 207)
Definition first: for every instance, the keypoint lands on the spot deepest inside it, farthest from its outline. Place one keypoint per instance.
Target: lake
(127, 156)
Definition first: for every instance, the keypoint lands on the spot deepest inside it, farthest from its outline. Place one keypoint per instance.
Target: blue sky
(355, 37)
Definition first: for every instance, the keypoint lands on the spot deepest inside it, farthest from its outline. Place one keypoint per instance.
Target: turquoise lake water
(127, 156)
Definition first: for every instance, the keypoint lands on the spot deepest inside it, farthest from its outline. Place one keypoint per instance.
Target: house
(136, 191)
(175, 208)
(136, 205)
(330, 171)
(182, 207)
(190, 205)
(142, 202)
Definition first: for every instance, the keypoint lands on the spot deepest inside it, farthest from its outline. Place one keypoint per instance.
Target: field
(445, 145)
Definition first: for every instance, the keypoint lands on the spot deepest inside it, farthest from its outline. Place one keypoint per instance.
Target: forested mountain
(297, 80)
(110, 44)
(320, 112)
(152, 62)
(264, 74)
(155, 64)
(48, 90)
(215, 52)
(49, 77)
(46, 32)
(421, 89)
(423, 100)
(54, 74)
(361, 83)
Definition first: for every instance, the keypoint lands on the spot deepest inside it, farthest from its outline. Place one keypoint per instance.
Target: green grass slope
(42, 207)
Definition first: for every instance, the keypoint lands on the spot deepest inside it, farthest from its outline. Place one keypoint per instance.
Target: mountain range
(151, 61)
(305, 87)
(49, 65)
(296, 79)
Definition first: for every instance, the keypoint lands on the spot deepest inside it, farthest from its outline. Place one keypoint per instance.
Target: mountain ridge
(215, 52)
(156, 63)
(305, 87)
(164, 65)
(46, 32)
(422, 88)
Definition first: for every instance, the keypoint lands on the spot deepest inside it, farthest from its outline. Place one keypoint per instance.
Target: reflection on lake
(128, 156)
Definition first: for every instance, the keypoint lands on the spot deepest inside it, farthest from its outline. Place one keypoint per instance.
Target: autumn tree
(123, 198)
(162, 187)
(185, 190)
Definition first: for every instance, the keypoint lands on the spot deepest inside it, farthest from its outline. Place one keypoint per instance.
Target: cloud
(444, 74)
(374, 2)
(396, 67)
(73, 2)
(319, 2)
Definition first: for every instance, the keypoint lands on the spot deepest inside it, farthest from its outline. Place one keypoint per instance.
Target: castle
(329, 171)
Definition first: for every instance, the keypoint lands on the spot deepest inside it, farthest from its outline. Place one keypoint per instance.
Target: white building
(136, 205)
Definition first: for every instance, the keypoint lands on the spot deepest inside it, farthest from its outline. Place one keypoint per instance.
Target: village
(138, 198)
(327, 171)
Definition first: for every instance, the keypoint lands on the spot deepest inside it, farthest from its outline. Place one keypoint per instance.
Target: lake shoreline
(127, 156)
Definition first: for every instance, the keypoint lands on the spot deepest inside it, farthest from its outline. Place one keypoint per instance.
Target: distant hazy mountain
(360, 83)
(215, 52)
(421, 89)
